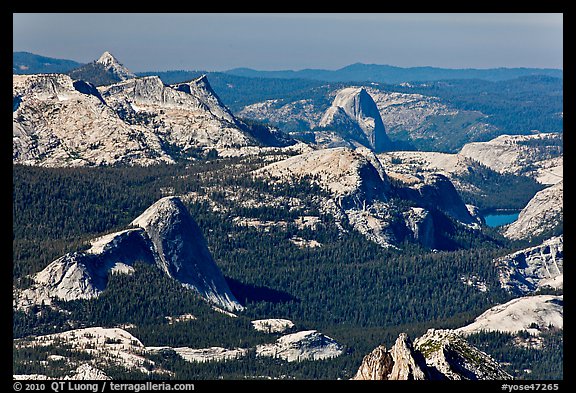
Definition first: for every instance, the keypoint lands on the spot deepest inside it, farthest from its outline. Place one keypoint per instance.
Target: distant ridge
(360, 72)
(30, 63)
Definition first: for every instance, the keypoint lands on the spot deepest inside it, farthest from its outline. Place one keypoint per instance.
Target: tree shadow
(246, 293)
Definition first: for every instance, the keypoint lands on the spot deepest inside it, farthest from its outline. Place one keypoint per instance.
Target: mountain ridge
(59, 121)
(384, 73)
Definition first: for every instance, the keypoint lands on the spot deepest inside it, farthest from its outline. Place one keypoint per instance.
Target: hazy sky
(217, 42)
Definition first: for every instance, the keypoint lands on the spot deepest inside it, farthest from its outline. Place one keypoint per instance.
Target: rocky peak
(107, 59)
(437, 355)
(166, 236)
(200, 87)
(353, 110)
(111, 64)
(182, 251)
(401, 362)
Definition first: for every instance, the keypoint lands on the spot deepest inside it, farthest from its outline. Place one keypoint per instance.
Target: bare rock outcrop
(542, 214)
(437, 355)
(401, 362)
(167, 237)
(526, 271)
(355, 113)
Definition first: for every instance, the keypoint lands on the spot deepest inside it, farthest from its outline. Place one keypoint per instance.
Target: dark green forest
(350, 289)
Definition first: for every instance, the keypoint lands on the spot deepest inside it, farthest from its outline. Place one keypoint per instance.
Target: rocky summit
(401, 362)
(166, 235)
(361, 192)
(111, 64)
(437, 355)
(62, 121)
(355, 113)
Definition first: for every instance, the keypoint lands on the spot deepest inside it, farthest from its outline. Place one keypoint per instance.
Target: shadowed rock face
(355, 112)
(438, 192)
(167, 237)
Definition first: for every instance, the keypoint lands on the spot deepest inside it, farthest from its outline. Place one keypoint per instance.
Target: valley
(154, 225)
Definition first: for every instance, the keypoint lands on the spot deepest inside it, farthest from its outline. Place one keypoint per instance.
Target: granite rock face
(182, 252)
(436, 191)
(537, 156)
(543, 213)
(436, 355)
(401, 362)
(529, 313)
(166, 236)
(355, 113)
(303, 345)
(63, 121)
(526, 271)
(449, 356)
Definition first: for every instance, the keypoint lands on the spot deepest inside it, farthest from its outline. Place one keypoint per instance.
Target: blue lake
(496, 219)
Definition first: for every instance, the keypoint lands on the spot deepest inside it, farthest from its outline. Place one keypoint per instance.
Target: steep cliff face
(436, 191)
(401, 362)
(182, 253)
(530, 269)
(543, 213)
(167, 237)
(355, 113)
(437, 355)
(200, 87)
(421, 224)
